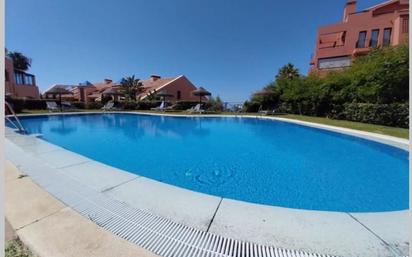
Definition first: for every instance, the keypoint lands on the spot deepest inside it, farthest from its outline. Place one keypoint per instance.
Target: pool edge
(245, 205)
(380, 138)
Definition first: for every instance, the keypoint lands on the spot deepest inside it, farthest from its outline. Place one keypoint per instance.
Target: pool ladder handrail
(17, 122)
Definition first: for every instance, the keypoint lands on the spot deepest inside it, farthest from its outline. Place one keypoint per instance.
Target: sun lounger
(108, 106)
(266, 112)
(191, 109)
(52, 106)
(171, 108)
(239, 108)
(67, 106)
(161, 107)
(197, 108)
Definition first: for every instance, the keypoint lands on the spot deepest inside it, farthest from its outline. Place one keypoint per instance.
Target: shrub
(375, 89)
(252, 106)
(29, 104)
(16, 104)
(105, 99)
(16, 248)
(89, 105)
(395, 114)
(79, 105)
(215, 104)
(94, 105)
(130, 105)
(184, 105)
(147, 105)
(284, 108)
(35, 104)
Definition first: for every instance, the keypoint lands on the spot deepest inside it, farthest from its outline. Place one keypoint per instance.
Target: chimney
(108, 81)
(350, 7)
(154, 77)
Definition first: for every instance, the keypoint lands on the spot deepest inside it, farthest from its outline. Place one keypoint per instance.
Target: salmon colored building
(18, 83)
(83, 92)
(385, 24)
(92, 92)
(179, 88)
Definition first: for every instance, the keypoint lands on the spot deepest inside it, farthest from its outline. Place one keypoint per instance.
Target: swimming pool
(255, 160)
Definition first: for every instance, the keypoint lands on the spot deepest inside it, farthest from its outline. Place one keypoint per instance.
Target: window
(179, 95)
(23, 78)
(387, 33)
(405, 24)
(361, 40)
(374, 38)
(29, 80)
(334, 62)
(19, 78)
(6, 75)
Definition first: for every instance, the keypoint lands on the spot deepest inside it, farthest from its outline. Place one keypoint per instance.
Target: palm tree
(288, 72)
(20, 62)
(151, 96)
(130, 86)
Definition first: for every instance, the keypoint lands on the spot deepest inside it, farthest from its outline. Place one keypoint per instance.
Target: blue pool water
(255, 160)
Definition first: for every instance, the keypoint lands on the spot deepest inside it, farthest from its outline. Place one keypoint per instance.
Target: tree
(130, 86)
(20, 61)
(374, 89)
(269, 100)
(288, 72)
(216, 104)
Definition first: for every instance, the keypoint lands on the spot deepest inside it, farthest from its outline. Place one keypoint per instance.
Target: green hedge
(29, 104)
(184, 105)
(395, 115)
(16, 104)
(252, 106)
(147, 105)
(94, 105)
(79, 105)
(130, 105)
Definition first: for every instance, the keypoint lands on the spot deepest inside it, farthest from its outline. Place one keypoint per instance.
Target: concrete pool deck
(51, 229)
(333, 233)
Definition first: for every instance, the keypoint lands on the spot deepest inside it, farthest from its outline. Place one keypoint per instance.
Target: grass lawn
(385, 130)
(379, 129)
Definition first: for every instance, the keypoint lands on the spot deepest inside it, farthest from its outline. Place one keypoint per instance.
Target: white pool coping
(333, 233)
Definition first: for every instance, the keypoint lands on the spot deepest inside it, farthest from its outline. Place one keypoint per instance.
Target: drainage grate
(156, 234)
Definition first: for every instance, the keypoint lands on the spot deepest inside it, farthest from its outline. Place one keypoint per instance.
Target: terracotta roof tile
(149, 85)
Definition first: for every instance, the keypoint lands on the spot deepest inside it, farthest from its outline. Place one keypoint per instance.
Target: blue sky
(231, 47)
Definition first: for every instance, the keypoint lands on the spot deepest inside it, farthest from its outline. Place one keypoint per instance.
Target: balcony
(23, 78)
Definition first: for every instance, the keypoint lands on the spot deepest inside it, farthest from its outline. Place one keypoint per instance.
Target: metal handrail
(19, 126)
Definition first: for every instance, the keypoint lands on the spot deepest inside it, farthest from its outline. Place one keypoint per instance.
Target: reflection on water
(61, 126)
(132, 128)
